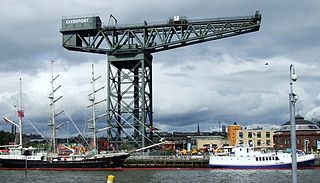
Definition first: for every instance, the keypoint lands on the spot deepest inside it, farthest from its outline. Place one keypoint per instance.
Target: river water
(159, 176)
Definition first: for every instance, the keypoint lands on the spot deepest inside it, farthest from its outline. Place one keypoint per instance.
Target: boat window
(262, 158)
(272, 157)
(277, 158)
(269, 158)
(257, 158)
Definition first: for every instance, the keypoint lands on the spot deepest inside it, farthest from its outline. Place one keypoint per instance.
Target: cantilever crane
(129, 49)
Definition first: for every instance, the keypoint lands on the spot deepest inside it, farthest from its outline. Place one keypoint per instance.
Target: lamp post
(292, 101)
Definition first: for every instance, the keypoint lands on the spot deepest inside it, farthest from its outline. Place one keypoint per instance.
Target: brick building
(307, 134)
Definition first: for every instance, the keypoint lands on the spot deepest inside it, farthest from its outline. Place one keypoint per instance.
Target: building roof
(301, 124)
(299, 121)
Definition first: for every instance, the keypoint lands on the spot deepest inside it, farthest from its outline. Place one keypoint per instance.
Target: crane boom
(88, 34)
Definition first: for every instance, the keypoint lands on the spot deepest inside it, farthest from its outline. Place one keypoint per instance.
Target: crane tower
(129, 51)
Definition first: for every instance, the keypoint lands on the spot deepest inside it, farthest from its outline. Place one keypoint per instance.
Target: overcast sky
(224, 80)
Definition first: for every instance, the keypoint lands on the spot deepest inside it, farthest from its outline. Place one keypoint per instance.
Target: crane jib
(86, 34)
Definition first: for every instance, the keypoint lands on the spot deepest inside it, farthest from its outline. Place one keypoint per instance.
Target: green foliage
(6, 137)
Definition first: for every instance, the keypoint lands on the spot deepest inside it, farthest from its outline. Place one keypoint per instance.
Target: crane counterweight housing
(84, 26)
(80, 23)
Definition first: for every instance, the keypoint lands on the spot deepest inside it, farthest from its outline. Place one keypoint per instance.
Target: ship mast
(20, 114)
(52, 122)
(92, 99)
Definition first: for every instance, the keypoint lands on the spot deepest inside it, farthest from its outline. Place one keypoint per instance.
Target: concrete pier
(165, 162)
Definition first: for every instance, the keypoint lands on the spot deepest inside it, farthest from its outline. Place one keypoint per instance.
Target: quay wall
(165, 162)
(172, 162)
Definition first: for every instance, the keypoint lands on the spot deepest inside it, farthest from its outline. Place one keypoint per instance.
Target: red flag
(21, 114)
(152, 128)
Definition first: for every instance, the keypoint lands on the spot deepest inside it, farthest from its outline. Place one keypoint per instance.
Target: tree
(6, 137)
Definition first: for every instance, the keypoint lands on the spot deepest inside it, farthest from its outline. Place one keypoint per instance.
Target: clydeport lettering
(75, 21)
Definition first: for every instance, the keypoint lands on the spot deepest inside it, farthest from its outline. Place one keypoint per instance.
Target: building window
(240, 142)
(250, 143)
(240, 135)
(259, 135)
(259, 143)
(268, 142)
(249, 134)
(267, 134)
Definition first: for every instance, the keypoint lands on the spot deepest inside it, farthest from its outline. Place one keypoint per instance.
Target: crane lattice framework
(129, 66)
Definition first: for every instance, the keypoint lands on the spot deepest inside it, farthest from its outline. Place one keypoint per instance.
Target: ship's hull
(101, 162)
(306, 164)
(277, 165)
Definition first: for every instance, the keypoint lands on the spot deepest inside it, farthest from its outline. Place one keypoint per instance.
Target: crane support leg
(129, 98)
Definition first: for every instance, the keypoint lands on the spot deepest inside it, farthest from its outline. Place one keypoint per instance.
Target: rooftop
(301, 124)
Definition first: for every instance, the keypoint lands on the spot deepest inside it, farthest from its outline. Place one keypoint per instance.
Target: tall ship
(247, 158)
(17, 156)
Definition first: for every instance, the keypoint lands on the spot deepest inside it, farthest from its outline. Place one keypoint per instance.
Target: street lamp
(292, 100)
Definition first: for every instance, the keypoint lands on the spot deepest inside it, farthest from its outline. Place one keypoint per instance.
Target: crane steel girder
(155, 37)
(129, 108)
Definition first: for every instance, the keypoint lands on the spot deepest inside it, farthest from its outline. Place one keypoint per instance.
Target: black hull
(105, 162)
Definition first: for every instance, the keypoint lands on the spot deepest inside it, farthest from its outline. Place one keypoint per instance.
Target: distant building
(196, 139)
(259, 138)
(307, 134)
(203, 142)
(232, 133)
(224, 129)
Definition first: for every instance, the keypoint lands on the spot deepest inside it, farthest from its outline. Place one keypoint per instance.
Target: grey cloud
(191, 78)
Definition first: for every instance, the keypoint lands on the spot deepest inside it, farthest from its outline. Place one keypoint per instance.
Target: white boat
(247, 157)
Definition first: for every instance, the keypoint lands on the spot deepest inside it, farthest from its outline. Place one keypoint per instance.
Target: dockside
(173, 162)
(165, 162)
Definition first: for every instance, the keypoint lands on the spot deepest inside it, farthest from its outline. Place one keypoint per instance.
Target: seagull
(266, 63)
